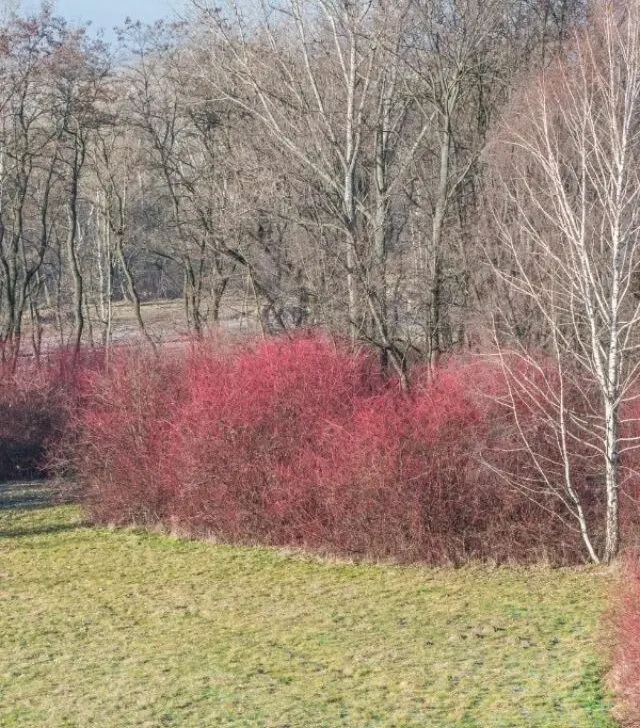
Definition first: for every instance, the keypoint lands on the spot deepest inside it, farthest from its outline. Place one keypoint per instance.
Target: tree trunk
(76, 274)
(612, 525)
(434, 256)
(133, 292)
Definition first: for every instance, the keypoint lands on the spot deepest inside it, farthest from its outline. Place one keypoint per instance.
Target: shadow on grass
(40, 530)
(25, 496)
(21, 496)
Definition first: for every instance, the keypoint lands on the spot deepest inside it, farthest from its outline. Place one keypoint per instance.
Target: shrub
(625, 623)
(247, 423)
(30, 414)
(36, 397)
(304, 442)
(118, 436)
(416, 462)
(525, 446)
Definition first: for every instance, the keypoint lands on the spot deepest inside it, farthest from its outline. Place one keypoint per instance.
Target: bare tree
(568, 215)
(30, 157)
(450, 54)
(185, 145)
(115, 160)
(314, 76)
(318, 157)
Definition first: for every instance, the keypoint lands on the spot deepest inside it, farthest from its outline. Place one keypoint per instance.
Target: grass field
(105, 628)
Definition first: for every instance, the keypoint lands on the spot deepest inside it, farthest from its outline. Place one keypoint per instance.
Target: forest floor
(164, 321)
(106, 628)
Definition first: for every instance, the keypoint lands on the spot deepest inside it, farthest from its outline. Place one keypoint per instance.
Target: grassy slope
(102, 628)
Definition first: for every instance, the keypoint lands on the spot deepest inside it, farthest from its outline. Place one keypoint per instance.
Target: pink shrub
(625, 621)
(414, 477)
(119, 435)
(630, 475)
(304, 442)
(29, 415)
(34, 402)
(245, 431)
(532, 391)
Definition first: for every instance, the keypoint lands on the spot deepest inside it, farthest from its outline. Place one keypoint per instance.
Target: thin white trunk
(612, 537)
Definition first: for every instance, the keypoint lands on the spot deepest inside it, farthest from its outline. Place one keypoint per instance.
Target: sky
(108, 13)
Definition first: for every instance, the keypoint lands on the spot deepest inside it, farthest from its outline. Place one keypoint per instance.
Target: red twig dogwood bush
(305, 442)
(625, 624)
(252, 420)
(35, 398)
(119, 437)
(29, 416)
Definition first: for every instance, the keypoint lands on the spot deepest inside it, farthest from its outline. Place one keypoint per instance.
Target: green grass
(102, 628)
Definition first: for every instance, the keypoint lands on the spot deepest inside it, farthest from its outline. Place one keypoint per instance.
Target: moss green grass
(107, 628)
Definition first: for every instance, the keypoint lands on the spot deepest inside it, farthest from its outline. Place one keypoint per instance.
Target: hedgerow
(305, 442)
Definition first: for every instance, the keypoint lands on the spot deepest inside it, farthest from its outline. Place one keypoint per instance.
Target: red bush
(29, 415)
(305, 443)
(625, 620)
(528, 450)
(243, 434)
(36, 397)
(119, 435)
(33, 397)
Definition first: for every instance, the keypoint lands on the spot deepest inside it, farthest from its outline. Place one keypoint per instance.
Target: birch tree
(568, 215)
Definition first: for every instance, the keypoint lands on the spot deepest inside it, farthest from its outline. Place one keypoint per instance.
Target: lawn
(107, 628)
